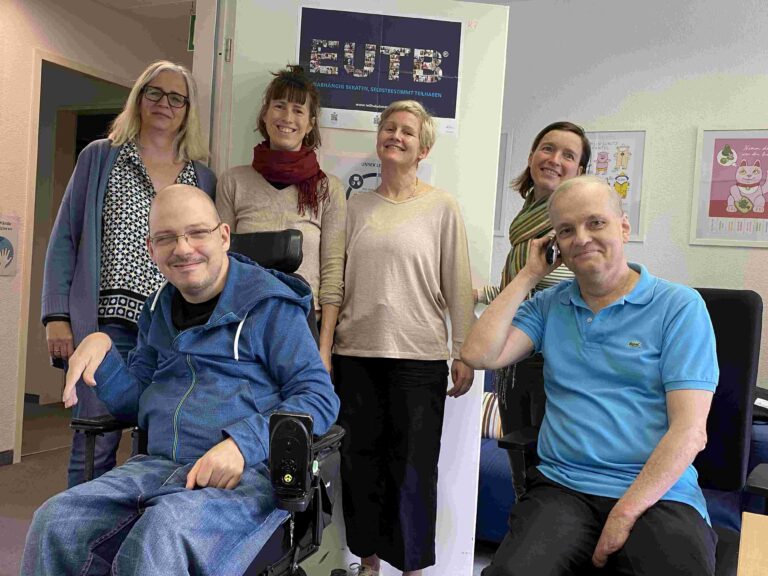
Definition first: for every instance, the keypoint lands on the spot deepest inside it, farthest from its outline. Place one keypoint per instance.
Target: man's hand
(536, 263)
(84, 362)
(61, 342)
(613, 537)
(462, 377)
(221, 467)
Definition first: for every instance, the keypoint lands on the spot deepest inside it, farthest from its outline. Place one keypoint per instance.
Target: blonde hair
(428, 130)
(188, 143)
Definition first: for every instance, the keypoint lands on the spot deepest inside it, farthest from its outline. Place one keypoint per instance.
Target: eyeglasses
(194, 238)
(175, 100)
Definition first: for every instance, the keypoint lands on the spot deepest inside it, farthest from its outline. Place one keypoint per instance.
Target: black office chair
(310, 507)
(737, 320)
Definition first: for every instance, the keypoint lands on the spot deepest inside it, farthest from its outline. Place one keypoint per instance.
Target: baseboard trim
(6, 457)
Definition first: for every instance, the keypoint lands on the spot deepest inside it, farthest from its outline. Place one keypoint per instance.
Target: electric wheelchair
(304, 469)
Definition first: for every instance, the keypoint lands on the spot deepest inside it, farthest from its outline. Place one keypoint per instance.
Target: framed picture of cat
(617, 157)
(730, 188)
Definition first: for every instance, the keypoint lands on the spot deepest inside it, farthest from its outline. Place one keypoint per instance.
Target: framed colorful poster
(617, 157)
(730, 188)
(362, 62)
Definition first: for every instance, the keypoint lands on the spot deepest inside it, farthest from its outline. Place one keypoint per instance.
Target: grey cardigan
(71, 276)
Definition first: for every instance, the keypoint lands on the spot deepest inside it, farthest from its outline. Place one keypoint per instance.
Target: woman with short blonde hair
(407, 269)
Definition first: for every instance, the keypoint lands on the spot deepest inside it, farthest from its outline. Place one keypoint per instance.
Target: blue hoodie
(192, 389)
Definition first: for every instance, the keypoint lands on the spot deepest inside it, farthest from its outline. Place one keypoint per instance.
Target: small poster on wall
(9, 242)
(362, 172)
(363, 62)
(729, 205)
(617, 157)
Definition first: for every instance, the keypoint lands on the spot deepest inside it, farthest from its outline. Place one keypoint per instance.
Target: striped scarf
(531, 222)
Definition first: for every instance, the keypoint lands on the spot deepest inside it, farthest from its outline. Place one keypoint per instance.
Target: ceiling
(161, 9)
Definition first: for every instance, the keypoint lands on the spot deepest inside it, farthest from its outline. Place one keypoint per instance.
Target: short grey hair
(587, 180)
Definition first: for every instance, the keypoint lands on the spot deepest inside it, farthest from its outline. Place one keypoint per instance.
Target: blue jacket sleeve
(120, 386)
(283, 341)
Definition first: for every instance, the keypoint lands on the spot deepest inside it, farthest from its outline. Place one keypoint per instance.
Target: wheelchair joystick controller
(290, 459)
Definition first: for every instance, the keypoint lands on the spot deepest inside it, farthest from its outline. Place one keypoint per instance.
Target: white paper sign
(9, 242)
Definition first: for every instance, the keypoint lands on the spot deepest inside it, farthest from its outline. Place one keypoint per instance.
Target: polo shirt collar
(642, 293)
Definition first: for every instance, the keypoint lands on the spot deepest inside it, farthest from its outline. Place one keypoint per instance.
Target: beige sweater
(248, 203)
(407, 263)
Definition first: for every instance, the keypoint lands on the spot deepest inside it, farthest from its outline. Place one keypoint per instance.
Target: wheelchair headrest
(280, 250)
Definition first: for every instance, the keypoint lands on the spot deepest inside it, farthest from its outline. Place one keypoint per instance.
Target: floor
(42, 473)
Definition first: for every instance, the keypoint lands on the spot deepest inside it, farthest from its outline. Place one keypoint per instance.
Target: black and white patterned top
(128, 276)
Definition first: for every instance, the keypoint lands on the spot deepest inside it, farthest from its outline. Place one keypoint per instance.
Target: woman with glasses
(97, 270)
(284, 188)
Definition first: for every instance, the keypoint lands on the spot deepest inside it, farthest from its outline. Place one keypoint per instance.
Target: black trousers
(392, 412)
(520, 392)
(554, 530)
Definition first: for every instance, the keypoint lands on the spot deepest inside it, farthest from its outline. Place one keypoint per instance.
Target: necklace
(413, 190)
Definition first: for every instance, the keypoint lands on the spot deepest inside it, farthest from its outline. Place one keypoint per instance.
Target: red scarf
(299, 168)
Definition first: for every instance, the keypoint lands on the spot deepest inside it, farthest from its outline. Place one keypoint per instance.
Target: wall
(665, 67)
(96, 40)
(60, 88)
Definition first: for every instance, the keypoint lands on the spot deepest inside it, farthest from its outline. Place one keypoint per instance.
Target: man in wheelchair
(630, 369)
(221, 345)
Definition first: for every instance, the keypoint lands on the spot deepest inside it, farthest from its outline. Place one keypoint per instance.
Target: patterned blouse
(128, 276)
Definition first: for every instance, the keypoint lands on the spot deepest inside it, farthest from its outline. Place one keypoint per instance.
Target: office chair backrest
(737, 320)
(280, 250)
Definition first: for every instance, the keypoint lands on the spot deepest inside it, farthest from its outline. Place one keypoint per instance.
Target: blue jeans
(88, 405)
(139, 519)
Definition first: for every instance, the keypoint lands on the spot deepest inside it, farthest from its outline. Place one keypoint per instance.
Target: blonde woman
(97, 268)
(407, 268)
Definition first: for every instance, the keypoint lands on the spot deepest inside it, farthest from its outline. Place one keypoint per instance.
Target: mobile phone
(553, 251)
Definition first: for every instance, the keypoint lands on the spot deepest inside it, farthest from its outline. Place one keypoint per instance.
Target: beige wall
(93, 39)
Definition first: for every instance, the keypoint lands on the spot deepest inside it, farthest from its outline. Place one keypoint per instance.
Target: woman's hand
(325, 356)
(462, 376)
(61, 343)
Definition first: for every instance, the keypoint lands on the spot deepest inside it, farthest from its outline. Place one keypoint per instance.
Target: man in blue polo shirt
(630, 369)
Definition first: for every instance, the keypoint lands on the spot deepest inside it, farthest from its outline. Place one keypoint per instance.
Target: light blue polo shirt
(606, 376)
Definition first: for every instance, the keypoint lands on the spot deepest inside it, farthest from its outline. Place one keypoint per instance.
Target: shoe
(356, 569)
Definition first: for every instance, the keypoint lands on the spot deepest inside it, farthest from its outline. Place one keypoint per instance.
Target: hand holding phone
(553, 251)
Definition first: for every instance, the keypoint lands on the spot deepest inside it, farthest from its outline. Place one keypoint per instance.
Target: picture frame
(730, 194)
(617, 157)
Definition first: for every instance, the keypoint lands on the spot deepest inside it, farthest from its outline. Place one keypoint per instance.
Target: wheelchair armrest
(330, 441)
(757, 482)
(523, 440)
(99, 424)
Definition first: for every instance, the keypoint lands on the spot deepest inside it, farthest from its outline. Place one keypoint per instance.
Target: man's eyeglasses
(194, 238)
(175, 100)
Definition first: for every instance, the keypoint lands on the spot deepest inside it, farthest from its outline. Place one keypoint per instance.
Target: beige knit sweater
(407, 264)
(248, 203)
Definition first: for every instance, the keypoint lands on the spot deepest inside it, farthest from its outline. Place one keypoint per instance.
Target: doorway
(75, 109)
